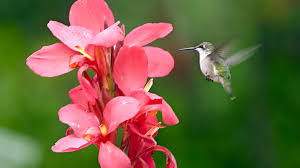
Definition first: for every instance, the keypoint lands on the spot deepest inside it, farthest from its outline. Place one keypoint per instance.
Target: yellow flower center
(148, 85)
(152, 130)
(103, 129)
(152, 113)
(87, 137)
(81, 50)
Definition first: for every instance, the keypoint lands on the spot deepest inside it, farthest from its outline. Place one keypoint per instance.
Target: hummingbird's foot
(208, 79)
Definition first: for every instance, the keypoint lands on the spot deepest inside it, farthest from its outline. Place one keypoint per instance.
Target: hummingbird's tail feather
(227, 86)
(232, 97)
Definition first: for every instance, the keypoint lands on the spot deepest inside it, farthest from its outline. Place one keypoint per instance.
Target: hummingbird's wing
(224, 49)
(241, 55)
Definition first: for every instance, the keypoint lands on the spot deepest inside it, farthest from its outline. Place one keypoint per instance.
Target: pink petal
(141, 96)
(89, 14)
(160, 62)
(77, 60)
(78, 96)
(109, 37)
(145, 161)
(69, 131)
(148, 121)
(118, 110)
(136, 131)
(130, 69)
(170, 159)
(90, 92)
(77, 118)
(111, 156)
(150, 108)
(152, 102)
(123, 28)
(138, 146)
(168, 115)
(109, 16)
(147, 99)
(155, 99)
(147, 33)
(150, 161)
(134, 146)
(71, 36)
(51, 60)
(69, 143)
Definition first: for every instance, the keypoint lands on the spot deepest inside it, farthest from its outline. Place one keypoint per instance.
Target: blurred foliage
(259, 129)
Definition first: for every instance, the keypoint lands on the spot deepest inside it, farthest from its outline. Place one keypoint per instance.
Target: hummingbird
(215, 65)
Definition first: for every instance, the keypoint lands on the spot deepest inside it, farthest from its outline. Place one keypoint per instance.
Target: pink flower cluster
(118, 93)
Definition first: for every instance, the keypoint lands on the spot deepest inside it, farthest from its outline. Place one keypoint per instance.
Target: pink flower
(78, 40)
(160, 62)
(140, 126)
(144, 127)
(130, 74)
(141, 150)
(130, 69)
(150, 102)
(89, 130)
(150, 61)
(116, 94)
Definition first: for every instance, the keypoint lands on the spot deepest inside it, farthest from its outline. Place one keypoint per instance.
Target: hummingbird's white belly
(209, 70)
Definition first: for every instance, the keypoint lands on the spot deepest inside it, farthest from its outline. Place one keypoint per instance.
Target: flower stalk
(118, 95)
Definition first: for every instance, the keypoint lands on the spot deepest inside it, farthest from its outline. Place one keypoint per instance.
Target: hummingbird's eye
(201, 46)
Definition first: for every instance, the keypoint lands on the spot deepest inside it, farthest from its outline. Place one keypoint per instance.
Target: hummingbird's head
(204, 48)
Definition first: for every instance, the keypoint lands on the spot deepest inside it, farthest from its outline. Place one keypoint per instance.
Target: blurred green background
(259, 129)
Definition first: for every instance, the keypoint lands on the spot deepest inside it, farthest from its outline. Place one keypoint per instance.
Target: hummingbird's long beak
(190, 48)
